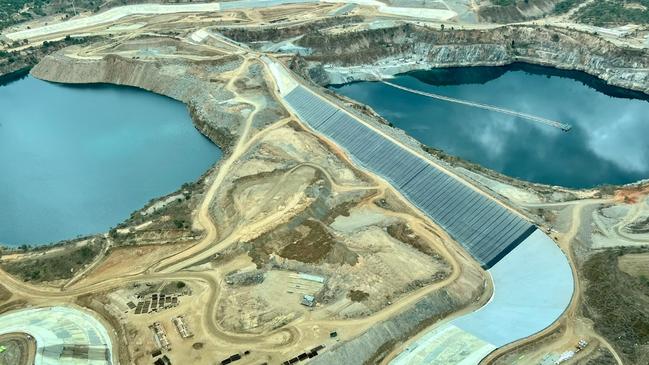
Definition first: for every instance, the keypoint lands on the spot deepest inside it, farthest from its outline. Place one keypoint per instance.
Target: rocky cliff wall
(345, 57)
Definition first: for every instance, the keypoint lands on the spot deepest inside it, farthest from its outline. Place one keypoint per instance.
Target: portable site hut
(308, 300)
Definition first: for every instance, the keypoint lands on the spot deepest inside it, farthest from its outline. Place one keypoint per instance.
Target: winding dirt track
(566, 244)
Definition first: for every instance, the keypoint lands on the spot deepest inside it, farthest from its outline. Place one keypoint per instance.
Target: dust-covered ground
(335, 231)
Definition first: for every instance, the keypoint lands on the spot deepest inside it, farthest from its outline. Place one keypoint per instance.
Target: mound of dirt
(403, 233)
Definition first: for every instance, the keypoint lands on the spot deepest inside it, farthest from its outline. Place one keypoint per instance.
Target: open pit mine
(353, 182)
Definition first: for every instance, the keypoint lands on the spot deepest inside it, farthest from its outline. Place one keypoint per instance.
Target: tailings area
(17, 348)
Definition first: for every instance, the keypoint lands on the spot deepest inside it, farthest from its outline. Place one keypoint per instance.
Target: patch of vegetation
(357, 295)
(306, 237)
(168, 288)
(618, 303)
(503, 2)
(16, 11)
(164, 221)
(16, 64)
(614, 12)
(564, 6)
(178, 208)
(311, 248)
(508, 11)
(644, 279)
(14, 75)
(309, 242)
(58, 265)
(600, 357)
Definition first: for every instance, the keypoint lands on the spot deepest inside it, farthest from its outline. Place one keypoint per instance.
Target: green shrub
(614, 12)
(564, 6)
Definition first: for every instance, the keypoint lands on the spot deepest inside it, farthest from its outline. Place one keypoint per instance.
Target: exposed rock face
(186, 82)
(347, 56)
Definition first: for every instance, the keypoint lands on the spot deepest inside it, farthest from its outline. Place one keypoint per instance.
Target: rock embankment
(187, 82)
(348, 56)
(372, 346)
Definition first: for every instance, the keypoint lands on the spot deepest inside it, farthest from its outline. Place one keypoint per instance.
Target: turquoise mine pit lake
(78, 159)
(608, 143)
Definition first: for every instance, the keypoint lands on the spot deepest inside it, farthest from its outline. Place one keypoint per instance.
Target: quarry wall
(351, 56)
